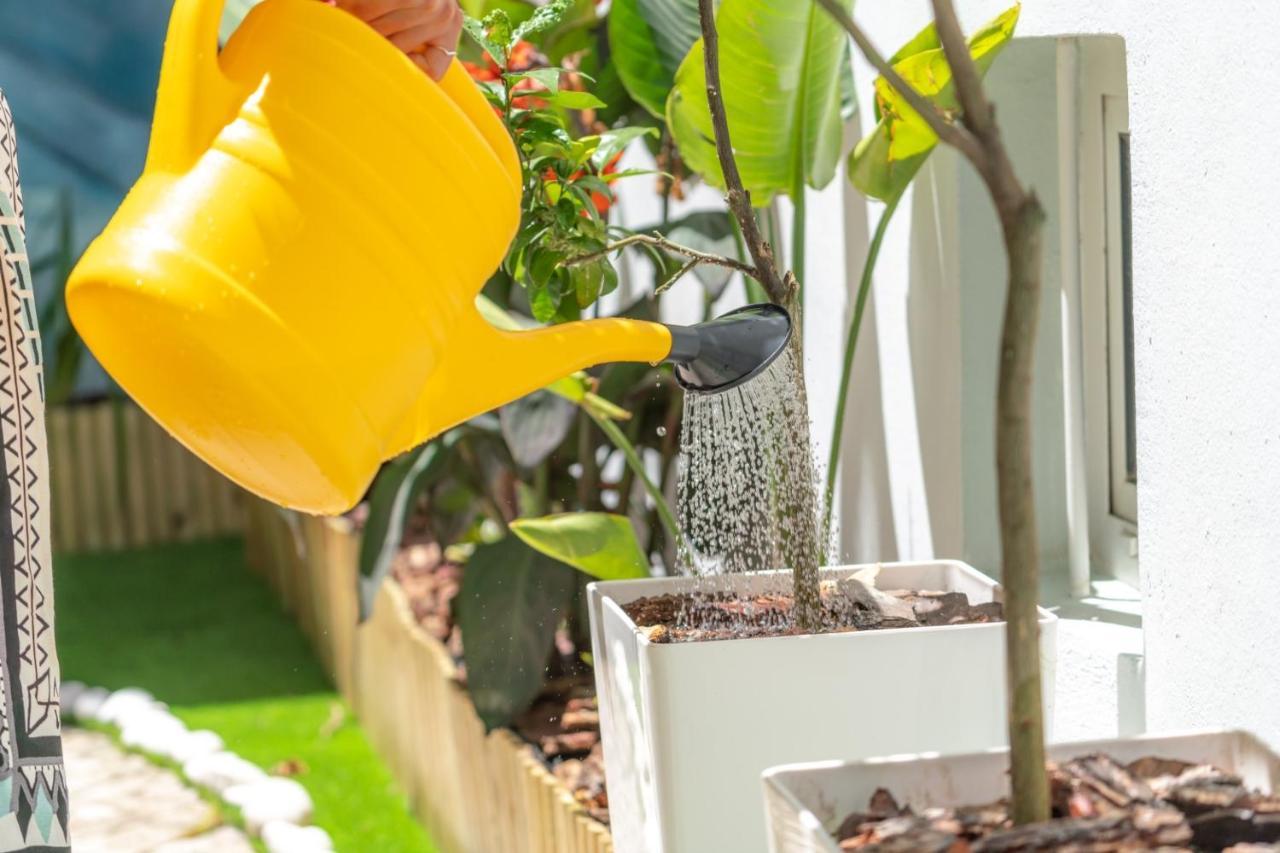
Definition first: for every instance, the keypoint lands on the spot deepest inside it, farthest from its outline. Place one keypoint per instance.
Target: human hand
(426, 30)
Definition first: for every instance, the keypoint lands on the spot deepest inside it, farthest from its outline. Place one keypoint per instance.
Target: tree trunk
(1029, 784)
(978, 138)
(800, 535)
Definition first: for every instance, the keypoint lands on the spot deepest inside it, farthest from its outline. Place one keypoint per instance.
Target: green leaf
(394, 494)
(574, 100)
(535, 425)
(648, 40)
(511, 601)
(886, 160)
(547, 78)
(517, 10)
(587, 281)
(574, 387)
(614, 141)
(493, 34)
(596, 543)
(544, 304)
(542, 20)
(500, 318)
(629, 173)
(781, 64)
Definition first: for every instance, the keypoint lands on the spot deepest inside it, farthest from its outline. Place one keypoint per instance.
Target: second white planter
(806, 802)
(689, 727)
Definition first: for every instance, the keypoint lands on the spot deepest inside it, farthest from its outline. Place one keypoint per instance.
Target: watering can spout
(725, 352)
(496, 366)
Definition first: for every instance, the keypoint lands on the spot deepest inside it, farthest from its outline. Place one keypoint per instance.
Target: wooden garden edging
(118, 480)
(475, 793)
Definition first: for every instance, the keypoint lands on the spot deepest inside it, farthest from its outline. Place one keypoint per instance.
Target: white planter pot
(806, 802)
(689, 727)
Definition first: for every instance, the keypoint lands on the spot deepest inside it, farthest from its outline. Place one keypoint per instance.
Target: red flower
(601, 201)
(482, 73)
(522, 56)
(527, 102)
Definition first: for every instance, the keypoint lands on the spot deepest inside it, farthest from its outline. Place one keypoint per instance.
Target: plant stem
(850, 346)
(636, 464)
(589, 482)
(798, 520)
(736, 195)
(798, 515)
(628, 478)
(663, 243)
(666, 285)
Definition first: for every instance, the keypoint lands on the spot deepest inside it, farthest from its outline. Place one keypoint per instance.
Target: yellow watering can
(290, 286)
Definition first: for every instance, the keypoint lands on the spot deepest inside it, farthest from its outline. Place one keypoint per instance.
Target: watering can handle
(194, 99)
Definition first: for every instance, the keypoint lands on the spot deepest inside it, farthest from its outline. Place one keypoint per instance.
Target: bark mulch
(1099, 806)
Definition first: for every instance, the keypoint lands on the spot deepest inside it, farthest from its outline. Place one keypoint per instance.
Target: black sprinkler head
(727, 351)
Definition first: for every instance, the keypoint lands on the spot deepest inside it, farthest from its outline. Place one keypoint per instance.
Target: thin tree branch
(679, 274)
(736, 195)
(978, 116)
(949, 132)
(656, 239)
(968, 82)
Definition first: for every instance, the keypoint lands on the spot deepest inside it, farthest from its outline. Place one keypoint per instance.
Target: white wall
(1206, 187)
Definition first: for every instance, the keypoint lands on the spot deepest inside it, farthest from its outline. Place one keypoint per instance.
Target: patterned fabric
(33, 788)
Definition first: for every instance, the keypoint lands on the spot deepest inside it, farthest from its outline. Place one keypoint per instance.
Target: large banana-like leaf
(647, 40)
(883, 163)
(781, 62)
(595, 543)
(511, 601)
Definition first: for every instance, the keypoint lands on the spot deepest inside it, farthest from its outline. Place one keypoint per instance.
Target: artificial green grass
(192, 625)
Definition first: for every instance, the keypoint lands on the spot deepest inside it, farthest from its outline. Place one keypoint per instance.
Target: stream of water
(747, 476)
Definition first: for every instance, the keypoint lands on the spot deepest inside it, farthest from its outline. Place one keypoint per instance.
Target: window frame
(1106, 375)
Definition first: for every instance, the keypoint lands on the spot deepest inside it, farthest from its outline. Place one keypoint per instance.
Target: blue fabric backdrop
(80, 76)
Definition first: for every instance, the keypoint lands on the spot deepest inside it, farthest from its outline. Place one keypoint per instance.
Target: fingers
(434, 61)
(421, 61)
(426, 30)
(370, 10)
(436, 47)
(390, 17)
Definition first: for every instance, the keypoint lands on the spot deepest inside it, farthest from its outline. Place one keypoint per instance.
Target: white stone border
(275, 809)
